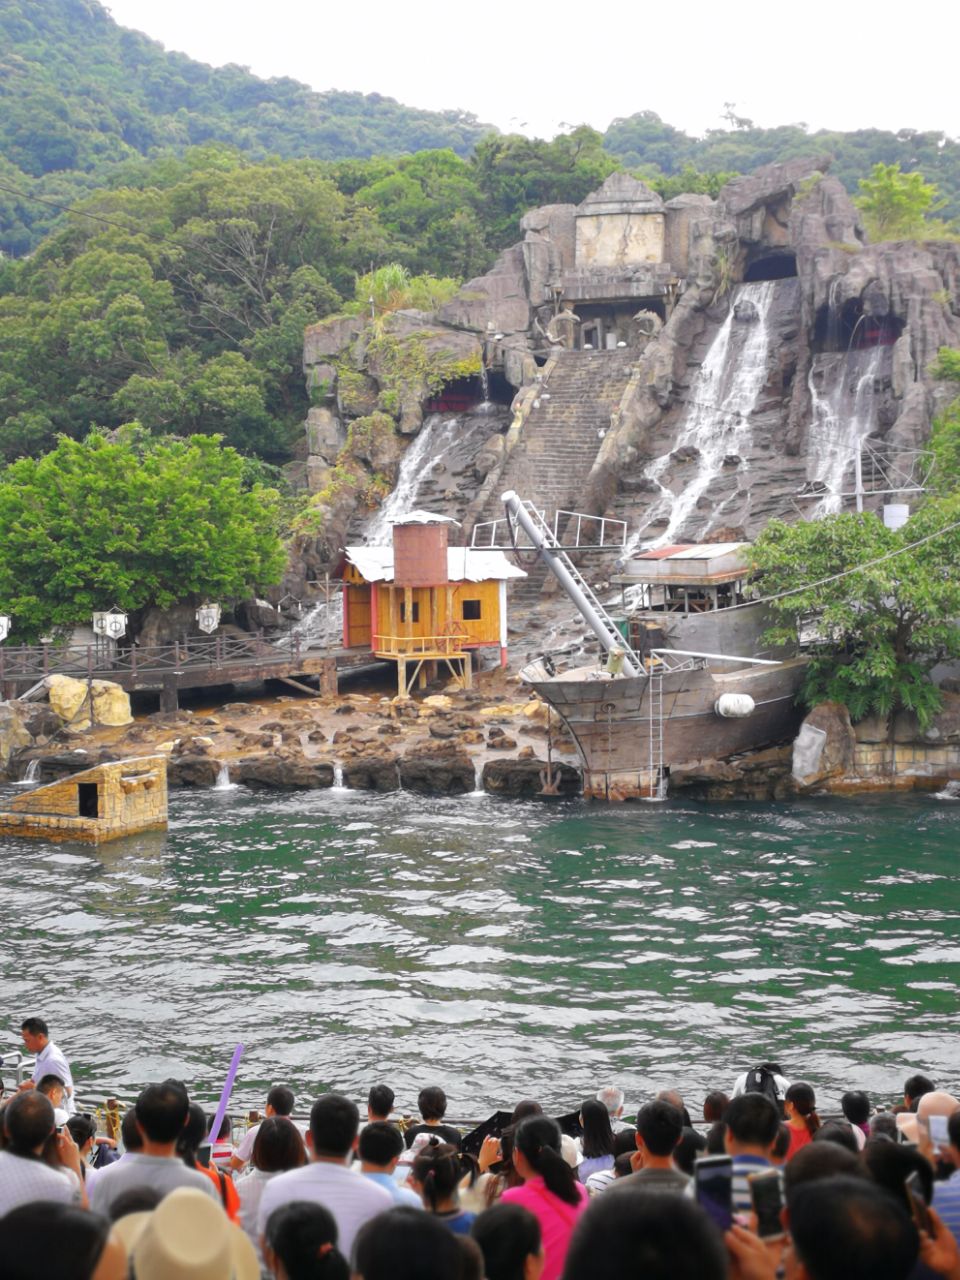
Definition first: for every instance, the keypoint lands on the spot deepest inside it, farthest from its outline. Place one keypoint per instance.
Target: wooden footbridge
(186, 664)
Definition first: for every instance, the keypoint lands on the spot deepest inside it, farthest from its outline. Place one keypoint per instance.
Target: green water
(499, 949)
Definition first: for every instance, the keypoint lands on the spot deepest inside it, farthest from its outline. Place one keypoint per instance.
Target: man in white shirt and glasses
(50, 1060)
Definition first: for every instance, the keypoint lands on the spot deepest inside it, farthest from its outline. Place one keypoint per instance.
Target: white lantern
(112, 623)
(208, 617)
(4, 627)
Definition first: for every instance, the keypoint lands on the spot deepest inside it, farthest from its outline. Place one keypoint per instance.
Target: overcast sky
(532, 67)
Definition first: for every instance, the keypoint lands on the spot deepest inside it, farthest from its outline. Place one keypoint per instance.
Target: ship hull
(610, 721)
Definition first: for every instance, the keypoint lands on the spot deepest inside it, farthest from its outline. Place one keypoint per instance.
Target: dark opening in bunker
(771, 266)
(848, 328)
(88, 800)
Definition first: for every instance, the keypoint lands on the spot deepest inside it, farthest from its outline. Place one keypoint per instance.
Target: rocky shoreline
(491, 738)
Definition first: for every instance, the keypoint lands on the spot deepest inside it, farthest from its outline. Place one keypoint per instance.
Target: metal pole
(565, 578)
(858, 475)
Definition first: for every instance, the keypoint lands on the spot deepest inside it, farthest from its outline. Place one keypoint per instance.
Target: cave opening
(463, 394)
(849, 328)
(771, 266)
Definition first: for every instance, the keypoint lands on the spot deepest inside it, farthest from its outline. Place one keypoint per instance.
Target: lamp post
(208, 617)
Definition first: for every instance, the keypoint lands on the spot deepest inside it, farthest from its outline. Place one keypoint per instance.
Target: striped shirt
(946, 1201)
(24, 1180)
(743, 1166)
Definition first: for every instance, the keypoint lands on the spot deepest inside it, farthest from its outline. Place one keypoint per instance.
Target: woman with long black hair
(597, 1141)
(550, 1188)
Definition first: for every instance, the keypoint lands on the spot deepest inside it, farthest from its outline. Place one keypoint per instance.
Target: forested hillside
(646, 143)
(78, 94)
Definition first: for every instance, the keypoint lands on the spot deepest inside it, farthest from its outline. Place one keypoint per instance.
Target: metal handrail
(94, 661)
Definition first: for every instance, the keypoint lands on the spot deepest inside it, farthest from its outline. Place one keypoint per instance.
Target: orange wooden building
(422, 603)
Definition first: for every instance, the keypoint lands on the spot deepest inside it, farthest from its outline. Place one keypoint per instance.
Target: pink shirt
(557, 1220)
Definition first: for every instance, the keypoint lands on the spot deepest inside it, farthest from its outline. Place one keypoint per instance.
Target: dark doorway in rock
(781, 265)
(463, 394)
(849, 328)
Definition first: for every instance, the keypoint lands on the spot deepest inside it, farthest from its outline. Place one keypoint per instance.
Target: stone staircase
(557, 447)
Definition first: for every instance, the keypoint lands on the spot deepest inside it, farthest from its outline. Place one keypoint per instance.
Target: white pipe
(566, 579)
(718, 657)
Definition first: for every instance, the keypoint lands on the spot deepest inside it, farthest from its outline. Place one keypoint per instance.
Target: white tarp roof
(424, 517)
(464, 564)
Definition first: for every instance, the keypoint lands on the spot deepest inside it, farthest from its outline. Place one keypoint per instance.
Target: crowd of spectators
(756, 1188)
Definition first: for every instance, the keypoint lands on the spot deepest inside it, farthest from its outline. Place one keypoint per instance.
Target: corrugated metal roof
(693, 551)
(464, 564)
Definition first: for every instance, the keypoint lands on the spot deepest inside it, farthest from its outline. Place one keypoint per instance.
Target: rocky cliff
(755, 341)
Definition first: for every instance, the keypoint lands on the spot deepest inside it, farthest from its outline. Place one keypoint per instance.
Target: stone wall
(131, 797)
(620, 239)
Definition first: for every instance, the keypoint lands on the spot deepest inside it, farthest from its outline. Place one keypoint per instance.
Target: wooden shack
(421, 603)
(99, 804)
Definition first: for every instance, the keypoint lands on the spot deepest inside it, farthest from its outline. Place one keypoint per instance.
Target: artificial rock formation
(849, 331)
(80, 703)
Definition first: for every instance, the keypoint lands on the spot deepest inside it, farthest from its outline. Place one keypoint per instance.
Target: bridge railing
(34, 662)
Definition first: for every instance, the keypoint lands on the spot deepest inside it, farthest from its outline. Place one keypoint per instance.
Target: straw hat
(187, 1237)
(937, 1103)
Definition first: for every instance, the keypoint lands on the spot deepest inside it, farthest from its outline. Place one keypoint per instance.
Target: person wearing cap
(161, 1113)
(50, 1061)
(328, 1179)
(187, 1236)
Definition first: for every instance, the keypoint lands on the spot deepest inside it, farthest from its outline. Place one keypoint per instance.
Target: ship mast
(576, 587)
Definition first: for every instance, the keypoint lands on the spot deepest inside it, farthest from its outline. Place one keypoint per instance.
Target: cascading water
(338, 778)
(478, 790)
(223, 782)
(436, 436)
(843, 417)
(31, 775)
(723, 397)
(321, 627)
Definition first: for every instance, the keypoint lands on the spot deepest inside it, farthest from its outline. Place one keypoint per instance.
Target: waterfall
(320, 627)
(30, 776)
(842, 419)
(338, 778)
(223, 782)
(436, 436)
(478, 790)
(717, 424)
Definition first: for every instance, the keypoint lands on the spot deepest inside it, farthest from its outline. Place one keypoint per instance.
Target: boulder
(69, 700)
(372, 771)
(14, 734)
(498, 298)
(824, 747)
(444, 771)
(872, 729)
(192, 770)
(290, 772)
(526, 778)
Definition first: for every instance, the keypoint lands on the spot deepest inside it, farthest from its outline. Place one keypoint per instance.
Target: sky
(535, 68)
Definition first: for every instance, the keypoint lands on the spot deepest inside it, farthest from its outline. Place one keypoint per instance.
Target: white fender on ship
(734, 706)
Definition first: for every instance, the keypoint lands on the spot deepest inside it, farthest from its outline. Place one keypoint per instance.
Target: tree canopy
(896, 205)
(882, 628)
(131, 521)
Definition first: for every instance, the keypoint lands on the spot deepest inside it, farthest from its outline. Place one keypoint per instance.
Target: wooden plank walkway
(190, 664)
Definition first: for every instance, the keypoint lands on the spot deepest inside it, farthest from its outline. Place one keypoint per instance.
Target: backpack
(760, 1080)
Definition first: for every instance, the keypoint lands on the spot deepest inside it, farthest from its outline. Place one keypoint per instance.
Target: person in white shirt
(328, 1180)
(50, 1060)
(24, 1178)
(280, 1102)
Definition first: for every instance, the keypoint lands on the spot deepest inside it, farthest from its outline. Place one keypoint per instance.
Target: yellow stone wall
(619, 239)
(131, 796)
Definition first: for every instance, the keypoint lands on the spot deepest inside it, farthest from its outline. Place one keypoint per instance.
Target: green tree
(134, 521)
(881, 628)
(945, 435)
(896, 205)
